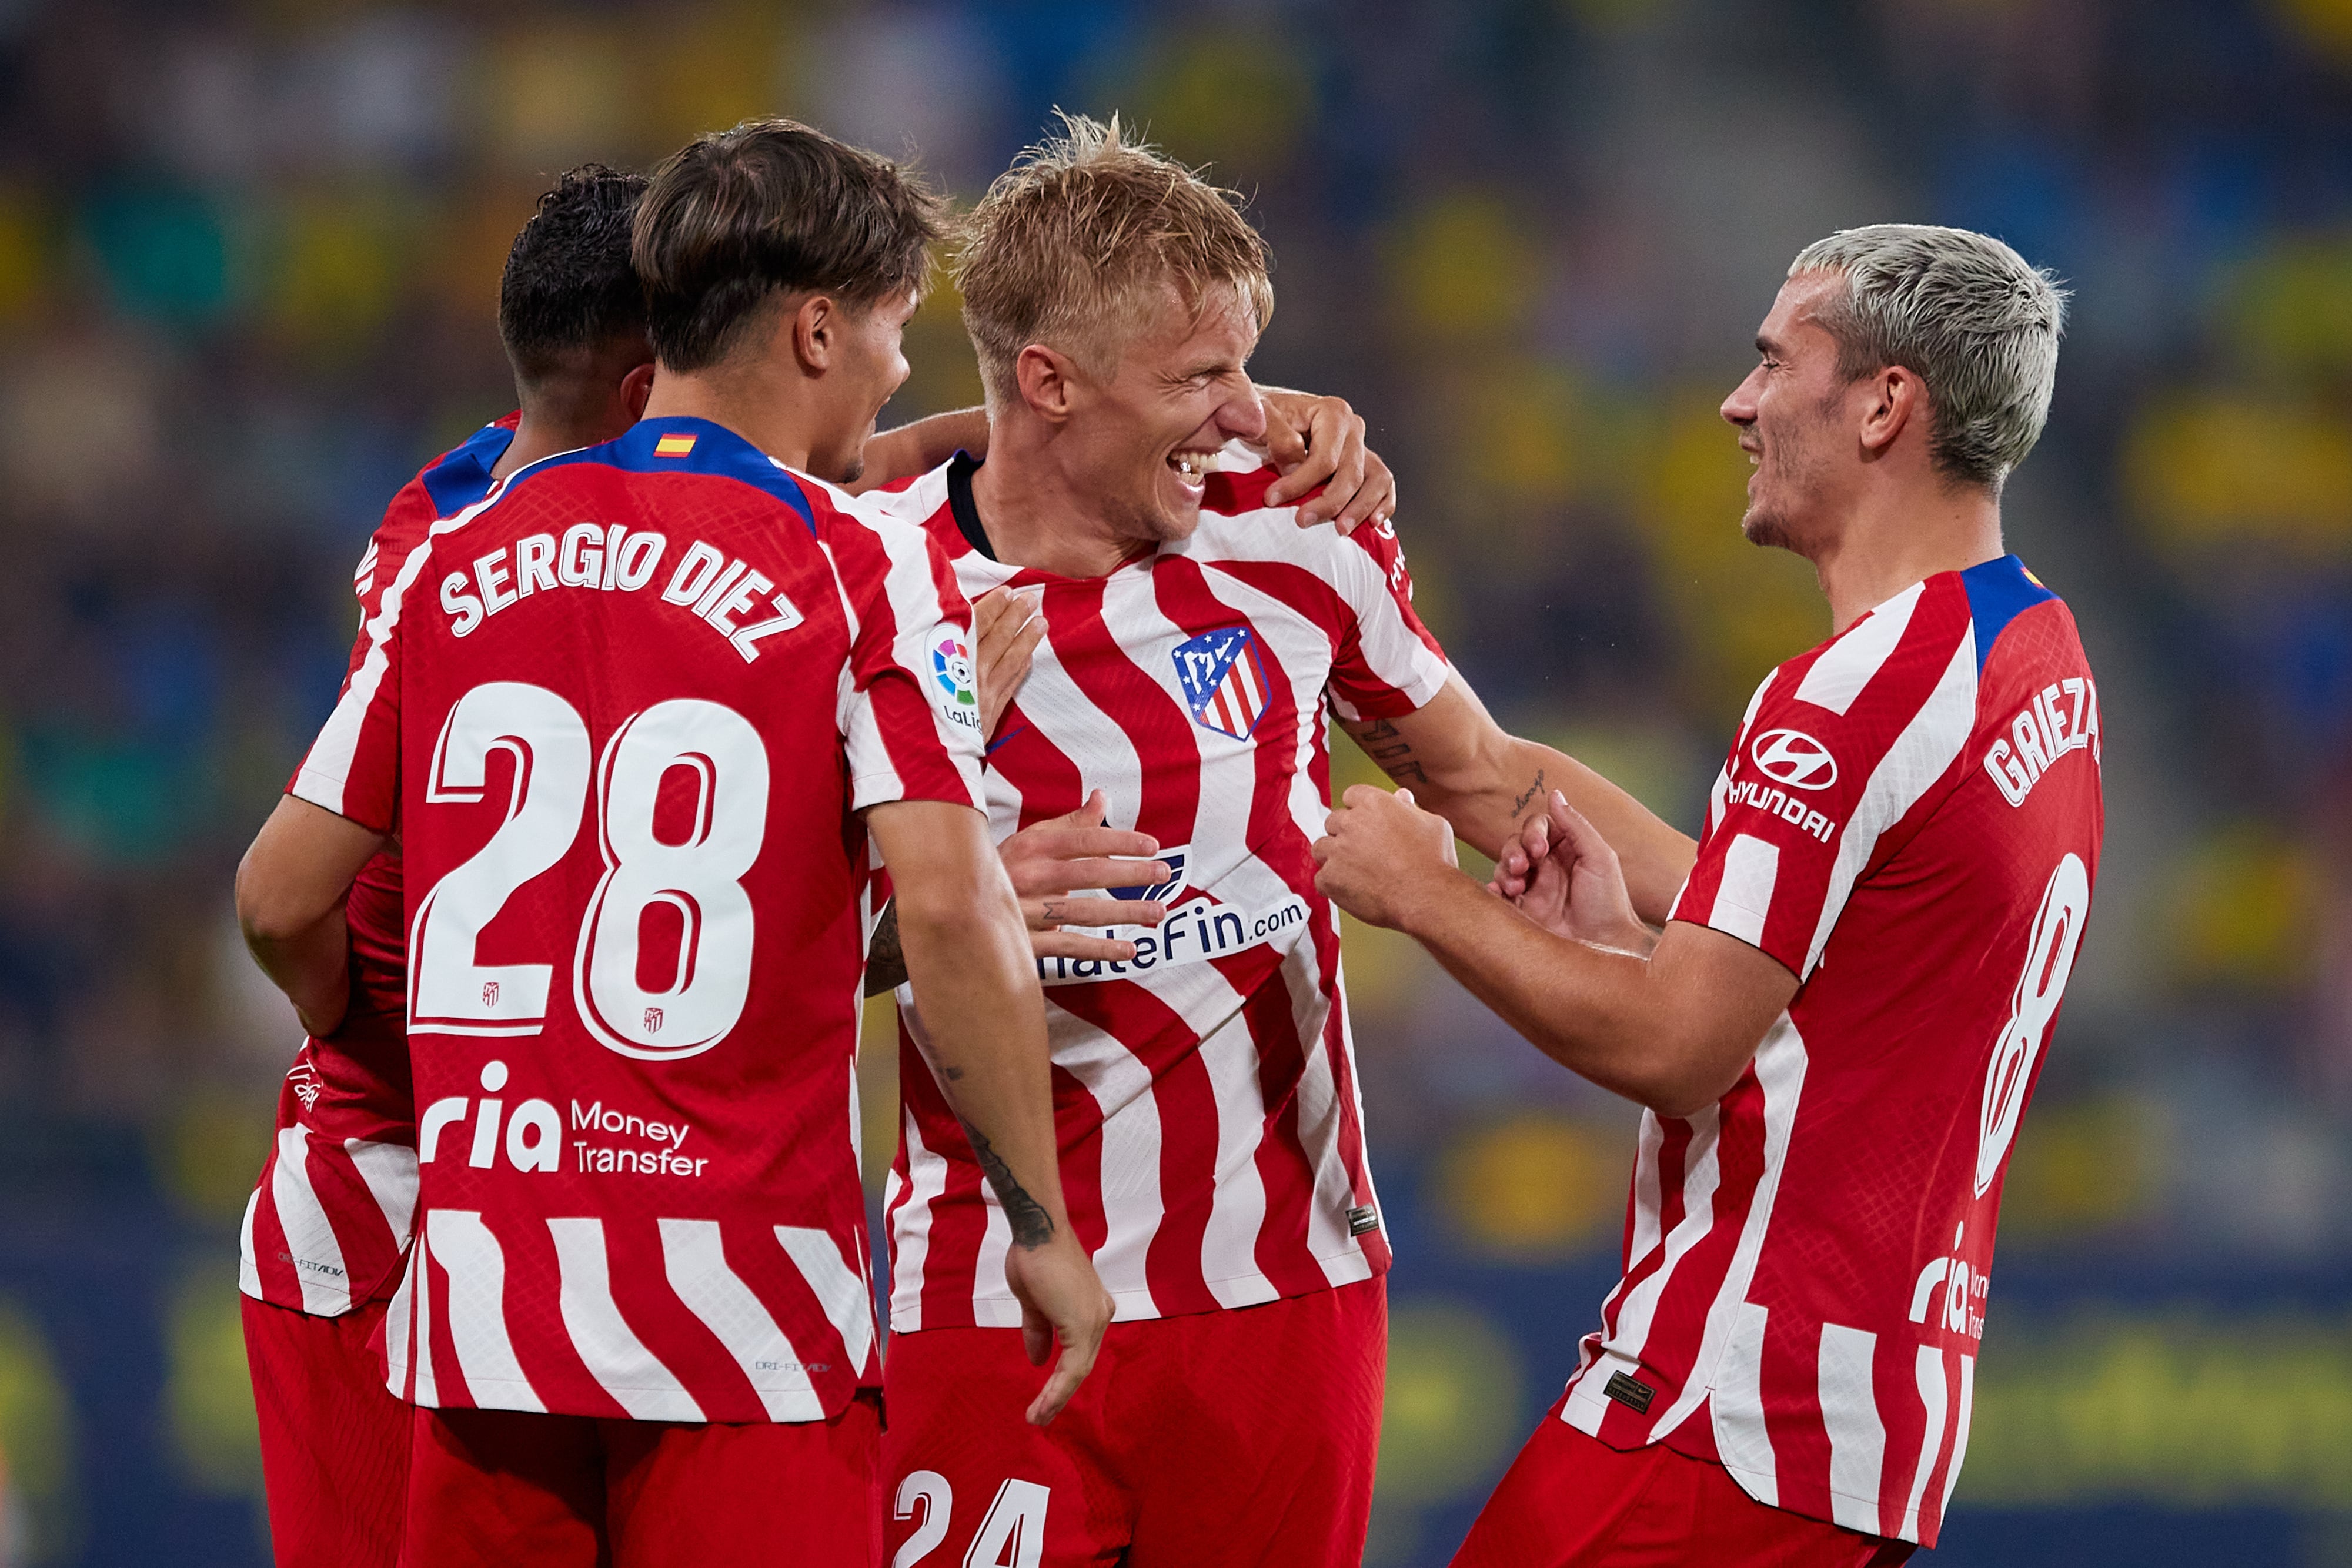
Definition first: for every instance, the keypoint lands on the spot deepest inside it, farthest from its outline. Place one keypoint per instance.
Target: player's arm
(1672, 1029)
(1462, 764)
(920, 447)
(968, 958)
(291, 889)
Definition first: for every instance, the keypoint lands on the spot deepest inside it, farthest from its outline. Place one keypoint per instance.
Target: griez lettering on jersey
(2045, 730)
(717, 590)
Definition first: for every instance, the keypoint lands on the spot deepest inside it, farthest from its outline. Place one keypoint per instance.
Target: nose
(1243, 417)
(1739, 408)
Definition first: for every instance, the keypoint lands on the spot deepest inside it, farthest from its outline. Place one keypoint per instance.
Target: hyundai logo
(1792, 757)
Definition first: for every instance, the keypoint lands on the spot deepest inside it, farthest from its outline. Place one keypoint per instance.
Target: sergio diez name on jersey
(535, 1134)
(1192, 933)
(709, 583)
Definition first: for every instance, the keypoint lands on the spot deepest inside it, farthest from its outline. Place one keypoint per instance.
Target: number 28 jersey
(1910, 822)
(621, 716)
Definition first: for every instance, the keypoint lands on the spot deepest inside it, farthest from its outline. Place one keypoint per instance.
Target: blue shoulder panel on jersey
(463, 476)
(1999, 592)
(678, 444)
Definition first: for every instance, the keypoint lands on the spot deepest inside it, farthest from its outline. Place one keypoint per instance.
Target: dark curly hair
(568, 285)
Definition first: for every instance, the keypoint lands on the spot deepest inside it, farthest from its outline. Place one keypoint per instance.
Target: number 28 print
(451, 992)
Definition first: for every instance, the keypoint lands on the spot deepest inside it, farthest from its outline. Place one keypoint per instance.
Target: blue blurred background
(249, 255)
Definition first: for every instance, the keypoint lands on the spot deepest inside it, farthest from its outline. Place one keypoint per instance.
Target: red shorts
(1570, 1500)
(1230, 1437)
(334, 1441)
(510, 1488)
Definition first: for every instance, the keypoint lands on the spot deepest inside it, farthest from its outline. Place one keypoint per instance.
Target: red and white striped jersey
(1910, 822)
(622, 716)
(327, 1223)
(1209, 1127)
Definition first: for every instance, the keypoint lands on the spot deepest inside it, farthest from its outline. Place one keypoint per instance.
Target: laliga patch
(952, 668)
(1224, 680)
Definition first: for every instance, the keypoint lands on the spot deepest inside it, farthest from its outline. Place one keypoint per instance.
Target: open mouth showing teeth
(1192, 466)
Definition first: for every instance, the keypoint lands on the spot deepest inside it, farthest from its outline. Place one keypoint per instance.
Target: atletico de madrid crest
(1224, 680)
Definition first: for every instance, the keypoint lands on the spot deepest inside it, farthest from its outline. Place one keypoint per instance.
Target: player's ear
(815, 327)
(636, 388)
(1897, 398)
(1043, 376)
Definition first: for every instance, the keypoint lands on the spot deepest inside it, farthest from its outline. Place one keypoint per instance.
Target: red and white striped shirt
(328, 1224)
(1210, 1126)
(1910, 822)
(623, 715)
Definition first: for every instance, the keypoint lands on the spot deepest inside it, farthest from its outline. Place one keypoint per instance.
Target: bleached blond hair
(1978, 321)
(1073, 246)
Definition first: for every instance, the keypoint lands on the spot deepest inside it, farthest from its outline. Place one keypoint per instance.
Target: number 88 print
(698, 878)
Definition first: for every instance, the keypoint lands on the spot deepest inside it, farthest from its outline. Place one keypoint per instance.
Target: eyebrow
(1765, 345)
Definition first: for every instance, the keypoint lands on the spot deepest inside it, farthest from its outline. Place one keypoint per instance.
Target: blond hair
(1070, 248)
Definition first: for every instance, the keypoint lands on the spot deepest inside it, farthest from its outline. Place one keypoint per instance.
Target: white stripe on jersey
(696, 1263)
(1740, 1423)
(839, 1286)
(911, 1223)
(1340, 1255)
(1850, 1415)
(249, 1277)
(477, 1268)
(1121, 1087)
(1587, 1404)
(1961, 1429)
(1929, 1370)
(1746, 1451)
(1751, 866)
(1916, 759)
(1237, 1204)
(1837, 677)
(310, 1244)
(615, 1357)
(389, 1171)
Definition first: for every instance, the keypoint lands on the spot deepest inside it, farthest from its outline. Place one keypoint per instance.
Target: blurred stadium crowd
(249, 255)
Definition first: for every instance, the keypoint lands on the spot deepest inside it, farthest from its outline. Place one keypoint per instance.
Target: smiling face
(869, 366)
(1146, 438)
(1794, 423)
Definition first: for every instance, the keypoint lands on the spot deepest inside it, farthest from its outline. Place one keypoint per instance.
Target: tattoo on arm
(1534, 789)
(886, 965)
(1032, 1226)
(1387, 747)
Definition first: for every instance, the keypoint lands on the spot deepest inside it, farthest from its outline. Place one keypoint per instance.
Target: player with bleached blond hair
(1837, 1035)
(1209, 1128)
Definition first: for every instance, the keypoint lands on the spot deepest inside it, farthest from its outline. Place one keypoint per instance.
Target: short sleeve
(1827, 764)
(909, 710)
(1386, 662)
(352, 768)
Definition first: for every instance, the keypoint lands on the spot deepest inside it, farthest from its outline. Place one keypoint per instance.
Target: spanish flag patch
(674, 446)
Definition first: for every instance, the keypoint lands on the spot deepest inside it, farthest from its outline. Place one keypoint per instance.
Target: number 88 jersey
(622, 716)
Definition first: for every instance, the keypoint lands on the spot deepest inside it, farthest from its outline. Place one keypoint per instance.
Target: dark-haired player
(633, 719)
(328, 1225)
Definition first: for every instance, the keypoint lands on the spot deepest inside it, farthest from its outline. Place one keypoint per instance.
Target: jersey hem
(1011, 1305)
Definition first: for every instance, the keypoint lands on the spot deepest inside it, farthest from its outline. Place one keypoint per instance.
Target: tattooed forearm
(1534, 789)
(1385, 744)
(886, 965)
(1032, 1226)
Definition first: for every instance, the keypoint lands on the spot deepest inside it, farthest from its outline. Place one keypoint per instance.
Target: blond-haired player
(1209, 1128)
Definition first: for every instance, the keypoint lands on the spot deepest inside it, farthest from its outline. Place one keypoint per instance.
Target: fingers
(1286, 444)
(1374, 500)
(1077, 1360)
(1051, 914)
(1056, 866)
(1075, 946)
(1339, 431)
(1578, 836)
(1006, 628)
